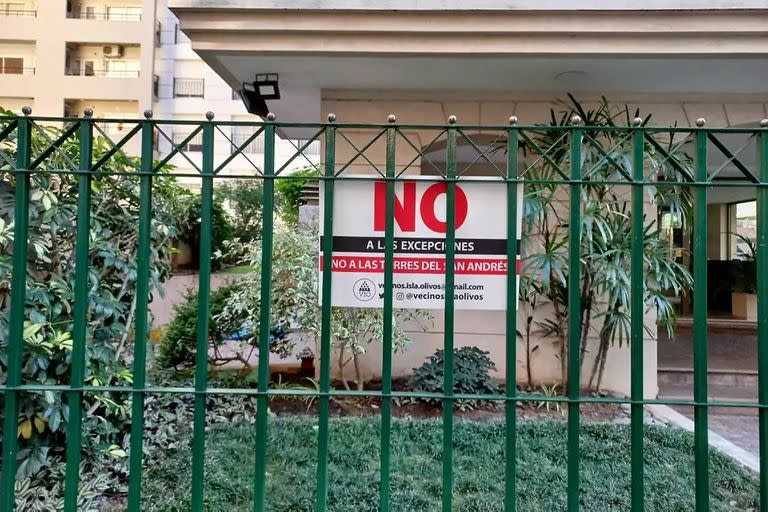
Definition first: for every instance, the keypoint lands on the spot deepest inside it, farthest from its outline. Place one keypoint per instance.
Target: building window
(12, 65)
(158, 33)
(156, 86)
(240, 135)
(188, 87)
(742, 219)
(195, 144)
(312, 150)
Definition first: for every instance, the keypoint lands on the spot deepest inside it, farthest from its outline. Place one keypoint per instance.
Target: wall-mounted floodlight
(255, 94)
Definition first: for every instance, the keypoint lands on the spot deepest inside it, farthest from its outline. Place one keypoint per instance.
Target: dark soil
(411, 408)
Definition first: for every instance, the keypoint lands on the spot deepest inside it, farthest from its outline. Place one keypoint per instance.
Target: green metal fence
(637, 140)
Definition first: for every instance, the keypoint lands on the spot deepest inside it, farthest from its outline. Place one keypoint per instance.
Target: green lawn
(416, 468)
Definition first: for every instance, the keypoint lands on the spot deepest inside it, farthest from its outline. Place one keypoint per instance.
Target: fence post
(203, 307)
(761, 259)
(80, 313)
(326, 320)
(18, 303)
(448, 325)
(513, 248)
(701, 437)
(142, 317)
(386, 356)
(574, 316)
(259, 498)
(637, 293)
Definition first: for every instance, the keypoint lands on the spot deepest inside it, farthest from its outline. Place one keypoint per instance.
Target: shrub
(243, 200)
(471, 375)
(111, 295)
(289, 193)
(187, 212)
(177, 346)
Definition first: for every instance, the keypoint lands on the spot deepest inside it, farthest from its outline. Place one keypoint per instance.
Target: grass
(416, 468)
(238, 269)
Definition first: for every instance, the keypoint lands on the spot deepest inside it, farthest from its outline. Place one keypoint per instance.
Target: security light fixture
(267, 86)
(254, 94)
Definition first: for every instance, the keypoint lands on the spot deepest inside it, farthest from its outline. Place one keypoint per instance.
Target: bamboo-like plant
(606, 243)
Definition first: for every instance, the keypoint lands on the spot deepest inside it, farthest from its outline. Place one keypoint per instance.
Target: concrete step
(718, 377)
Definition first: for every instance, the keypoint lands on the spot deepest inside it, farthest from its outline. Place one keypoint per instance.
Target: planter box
(744, 305)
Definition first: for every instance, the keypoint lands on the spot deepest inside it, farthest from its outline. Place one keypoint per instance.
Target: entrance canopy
(440, 47)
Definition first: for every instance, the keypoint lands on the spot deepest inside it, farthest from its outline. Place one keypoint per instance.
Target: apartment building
(119, 58)
(62, 57)
(186, 88)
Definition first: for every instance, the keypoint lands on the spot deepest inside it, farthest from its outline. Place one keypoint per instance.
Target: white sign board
(359, 208)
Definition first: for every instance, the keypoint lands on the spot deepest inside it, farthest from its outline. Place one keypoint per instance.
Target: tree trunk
(601, 371)
(528, 355)
(563, 347)
(358, 374)
(602, 350)
(341, 368)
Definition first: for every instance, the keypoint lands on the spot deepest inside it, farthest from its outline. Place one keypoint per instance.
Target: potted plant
(744, 291)
(307, 358)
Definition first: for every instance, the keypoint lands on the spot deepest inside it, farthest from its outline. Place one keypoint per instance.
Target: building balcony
(18, 9)
(106, 73)
(109, 14)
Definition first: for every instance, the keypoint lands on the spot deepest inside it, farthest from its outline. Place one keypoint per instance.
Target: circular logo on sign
(364, 289)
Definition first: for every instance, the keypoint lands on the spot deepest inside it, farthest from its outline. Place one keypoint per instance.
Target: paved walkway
(740, 429)
(732, 347)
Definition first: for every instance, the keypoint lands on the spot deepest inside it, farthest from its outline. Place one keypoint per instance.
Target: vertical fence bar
(142, 317)
(701, 437)
(510, 479)
(80, 314)
(762, 310)
(386, 356)
(260, 476)
(636, 318)
(450, 252)
(325, 320)
(18, 301)
(574, 317)
(203, 306)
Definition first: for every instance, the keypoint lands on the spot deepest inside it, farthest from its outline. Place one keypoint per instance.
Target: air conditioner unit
(112, 51)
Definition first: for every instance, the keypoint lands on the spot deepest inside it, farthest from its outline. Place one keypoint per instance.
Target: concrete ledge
(669, 416)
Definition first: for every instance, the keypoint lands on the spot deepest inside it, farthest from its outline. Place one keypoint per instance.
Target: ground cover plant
(416, 461)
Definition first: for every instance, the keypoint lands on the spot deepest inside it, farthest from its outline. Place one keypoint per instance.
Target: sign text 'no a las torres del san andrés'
(419, 246)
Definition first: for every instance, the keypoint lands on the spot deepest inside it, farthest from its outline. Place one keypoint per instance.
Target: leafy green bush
(289, 193)
(471, 375)
(243, 200)
(187, 211)
(177, 346)
(111, 294)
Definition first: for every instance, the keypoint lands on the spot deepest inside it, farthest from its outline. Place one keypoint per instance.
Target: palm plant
(606, 243)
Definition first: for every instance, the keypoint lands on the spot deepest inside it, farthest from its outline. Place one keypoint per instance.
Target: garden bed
(416, 468)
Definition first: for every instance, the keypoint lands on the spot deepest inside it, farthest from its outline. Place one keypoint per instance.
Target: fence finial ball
(88, 112)
(331, 118)
(638, 121)
(576, 120)
(700, 122)
(210, 115)
(271, 116)
(452, 120)
(148, 114)
(392, 118)
(513, 120)
(26, 110)
(764, 123)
